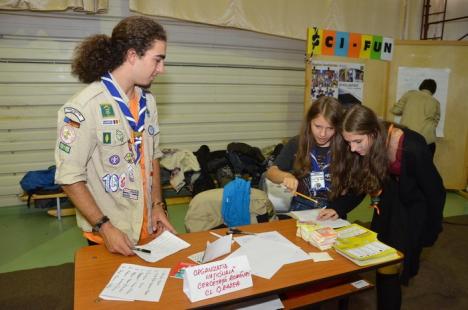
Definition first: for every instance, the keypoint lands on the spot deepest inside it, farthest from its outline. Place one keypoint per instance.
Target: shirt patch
(107, 110)
(151, 130)
(119, 136)
(110, 182)
(114, 160)
(130, 193)
(75, 112)
(122, 181)
(64, 147)
(106, 137)
(67, 134)
(110, 122)
(71, 122)
(129, 158)
(131, 173)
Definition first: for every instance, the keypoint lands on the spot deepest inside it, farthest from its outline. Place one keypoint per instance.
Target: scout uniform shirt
(94, 146)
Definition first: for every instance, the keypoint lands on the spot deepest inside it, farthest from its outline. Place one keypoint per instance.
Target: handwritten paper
(311, 216)
(217, 278)
(197, 257)
(133, 282)
(164, 245)
(217, 248)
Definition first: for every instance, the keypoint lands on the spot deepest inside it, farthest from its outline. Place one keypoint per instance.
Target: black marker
(142, 250)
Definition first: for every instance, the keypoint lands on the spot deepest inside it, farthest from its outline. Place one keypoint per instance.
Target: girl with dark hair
(394, 166)
(303, 165)
(107, 152)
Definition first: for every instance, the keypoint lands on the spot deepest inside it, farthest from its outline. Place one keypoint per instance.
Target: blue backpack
(40, 182)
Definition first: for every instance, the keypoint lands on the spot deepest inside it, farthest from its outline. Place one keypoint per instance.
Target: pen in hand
(142, 250)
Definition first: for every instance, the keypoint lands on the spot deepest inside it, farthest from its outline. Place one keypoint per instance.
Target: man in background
(420, 111)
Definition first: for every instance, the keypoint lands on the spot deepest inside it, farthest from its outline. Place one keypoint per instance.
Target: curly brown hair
(99, 54)
(332, 111)
(352, 172)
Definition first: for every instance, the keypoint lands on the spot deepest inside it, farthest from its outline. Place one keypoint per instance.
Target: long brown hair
(352, 172)
(100, 53)
(332, 111)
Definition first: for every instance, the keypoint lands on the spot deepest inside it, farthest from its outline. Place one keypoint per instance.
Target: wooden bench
(58, 212)
(335, 289)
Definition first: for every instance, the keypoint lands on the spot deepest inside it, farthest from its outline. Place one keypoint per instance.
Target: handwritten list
(133, 282)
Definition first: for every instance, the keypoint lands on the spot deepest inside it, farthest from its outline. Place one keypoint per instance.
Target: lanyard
(315, 163)
(137, 127)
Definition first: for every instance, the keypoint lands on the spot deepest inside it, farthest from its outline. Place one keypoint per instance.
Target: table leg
(59, 212)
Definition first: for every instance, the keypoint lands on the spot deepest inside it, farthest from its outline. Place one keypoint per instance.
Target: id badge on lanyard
(317, 180)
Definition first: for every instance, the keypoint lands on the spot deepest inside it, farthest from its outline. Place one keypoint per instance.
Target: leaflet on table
(370, 261)
(133, 282)
(162, 246)
(311, 216)
(355, 233)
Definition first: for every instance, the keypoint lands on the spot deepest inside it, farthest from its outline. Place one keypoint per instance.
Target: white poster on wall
(409, 78)
(343, 81)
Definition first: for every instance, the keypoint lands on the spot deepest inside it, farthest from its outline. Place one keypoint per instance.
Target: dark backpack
(40, 182)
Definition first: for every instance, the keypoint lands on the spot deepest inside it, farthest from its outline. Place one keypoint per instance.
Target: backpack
(236, 203)
(40, 182)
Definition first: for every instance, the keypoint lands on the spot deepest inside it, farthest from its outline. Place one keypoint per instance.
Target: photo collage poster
(344, 81)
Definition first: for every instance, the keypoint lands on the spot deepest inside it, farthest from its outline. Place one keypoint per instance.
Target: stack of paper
(133, 282)
(360, 245)
(268, 252)
(322, 238)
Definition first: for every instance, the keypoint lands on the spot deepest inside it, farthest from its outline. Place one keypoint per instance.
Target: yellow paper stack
(360, 245)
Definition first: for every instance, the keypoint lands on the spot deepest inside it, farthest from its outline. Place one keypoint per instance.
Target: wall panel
(221, 85)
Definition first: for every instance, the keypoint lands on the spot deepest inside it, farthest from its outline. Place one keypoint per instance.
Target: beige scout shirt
(420, 112)
(92, 146)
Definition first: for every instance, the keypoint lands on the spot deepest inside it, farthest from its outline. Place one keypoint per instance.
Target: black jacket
(411, 207)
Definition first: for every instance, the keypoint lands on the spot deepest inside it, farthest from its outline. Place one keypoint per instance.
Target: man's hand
(160, 221)
(327, 214)
(115, 240)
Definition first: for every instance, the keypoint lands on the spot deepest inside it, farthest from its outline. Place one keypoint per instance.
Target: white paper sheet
(266, 255)
(217, 248)
(320, 256)
(164, 245)
(311, 216)
(133, 282)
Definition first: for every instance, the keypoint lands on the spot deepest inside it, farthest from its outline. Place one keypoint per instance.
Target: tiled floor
(31, 238)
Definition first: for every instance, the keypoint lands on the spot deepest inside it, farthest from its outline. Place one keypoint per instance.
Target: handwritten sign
(217, 278)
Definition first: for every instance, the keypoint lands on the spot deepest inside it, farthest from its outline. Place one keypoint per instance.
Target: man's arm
(159, 219)
(115, 240)
(398, 107)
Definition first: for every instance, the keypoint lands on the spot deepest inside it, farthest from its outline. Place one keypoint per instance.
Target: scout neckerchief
(317, 175)
(375, 197)
(137, 127)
